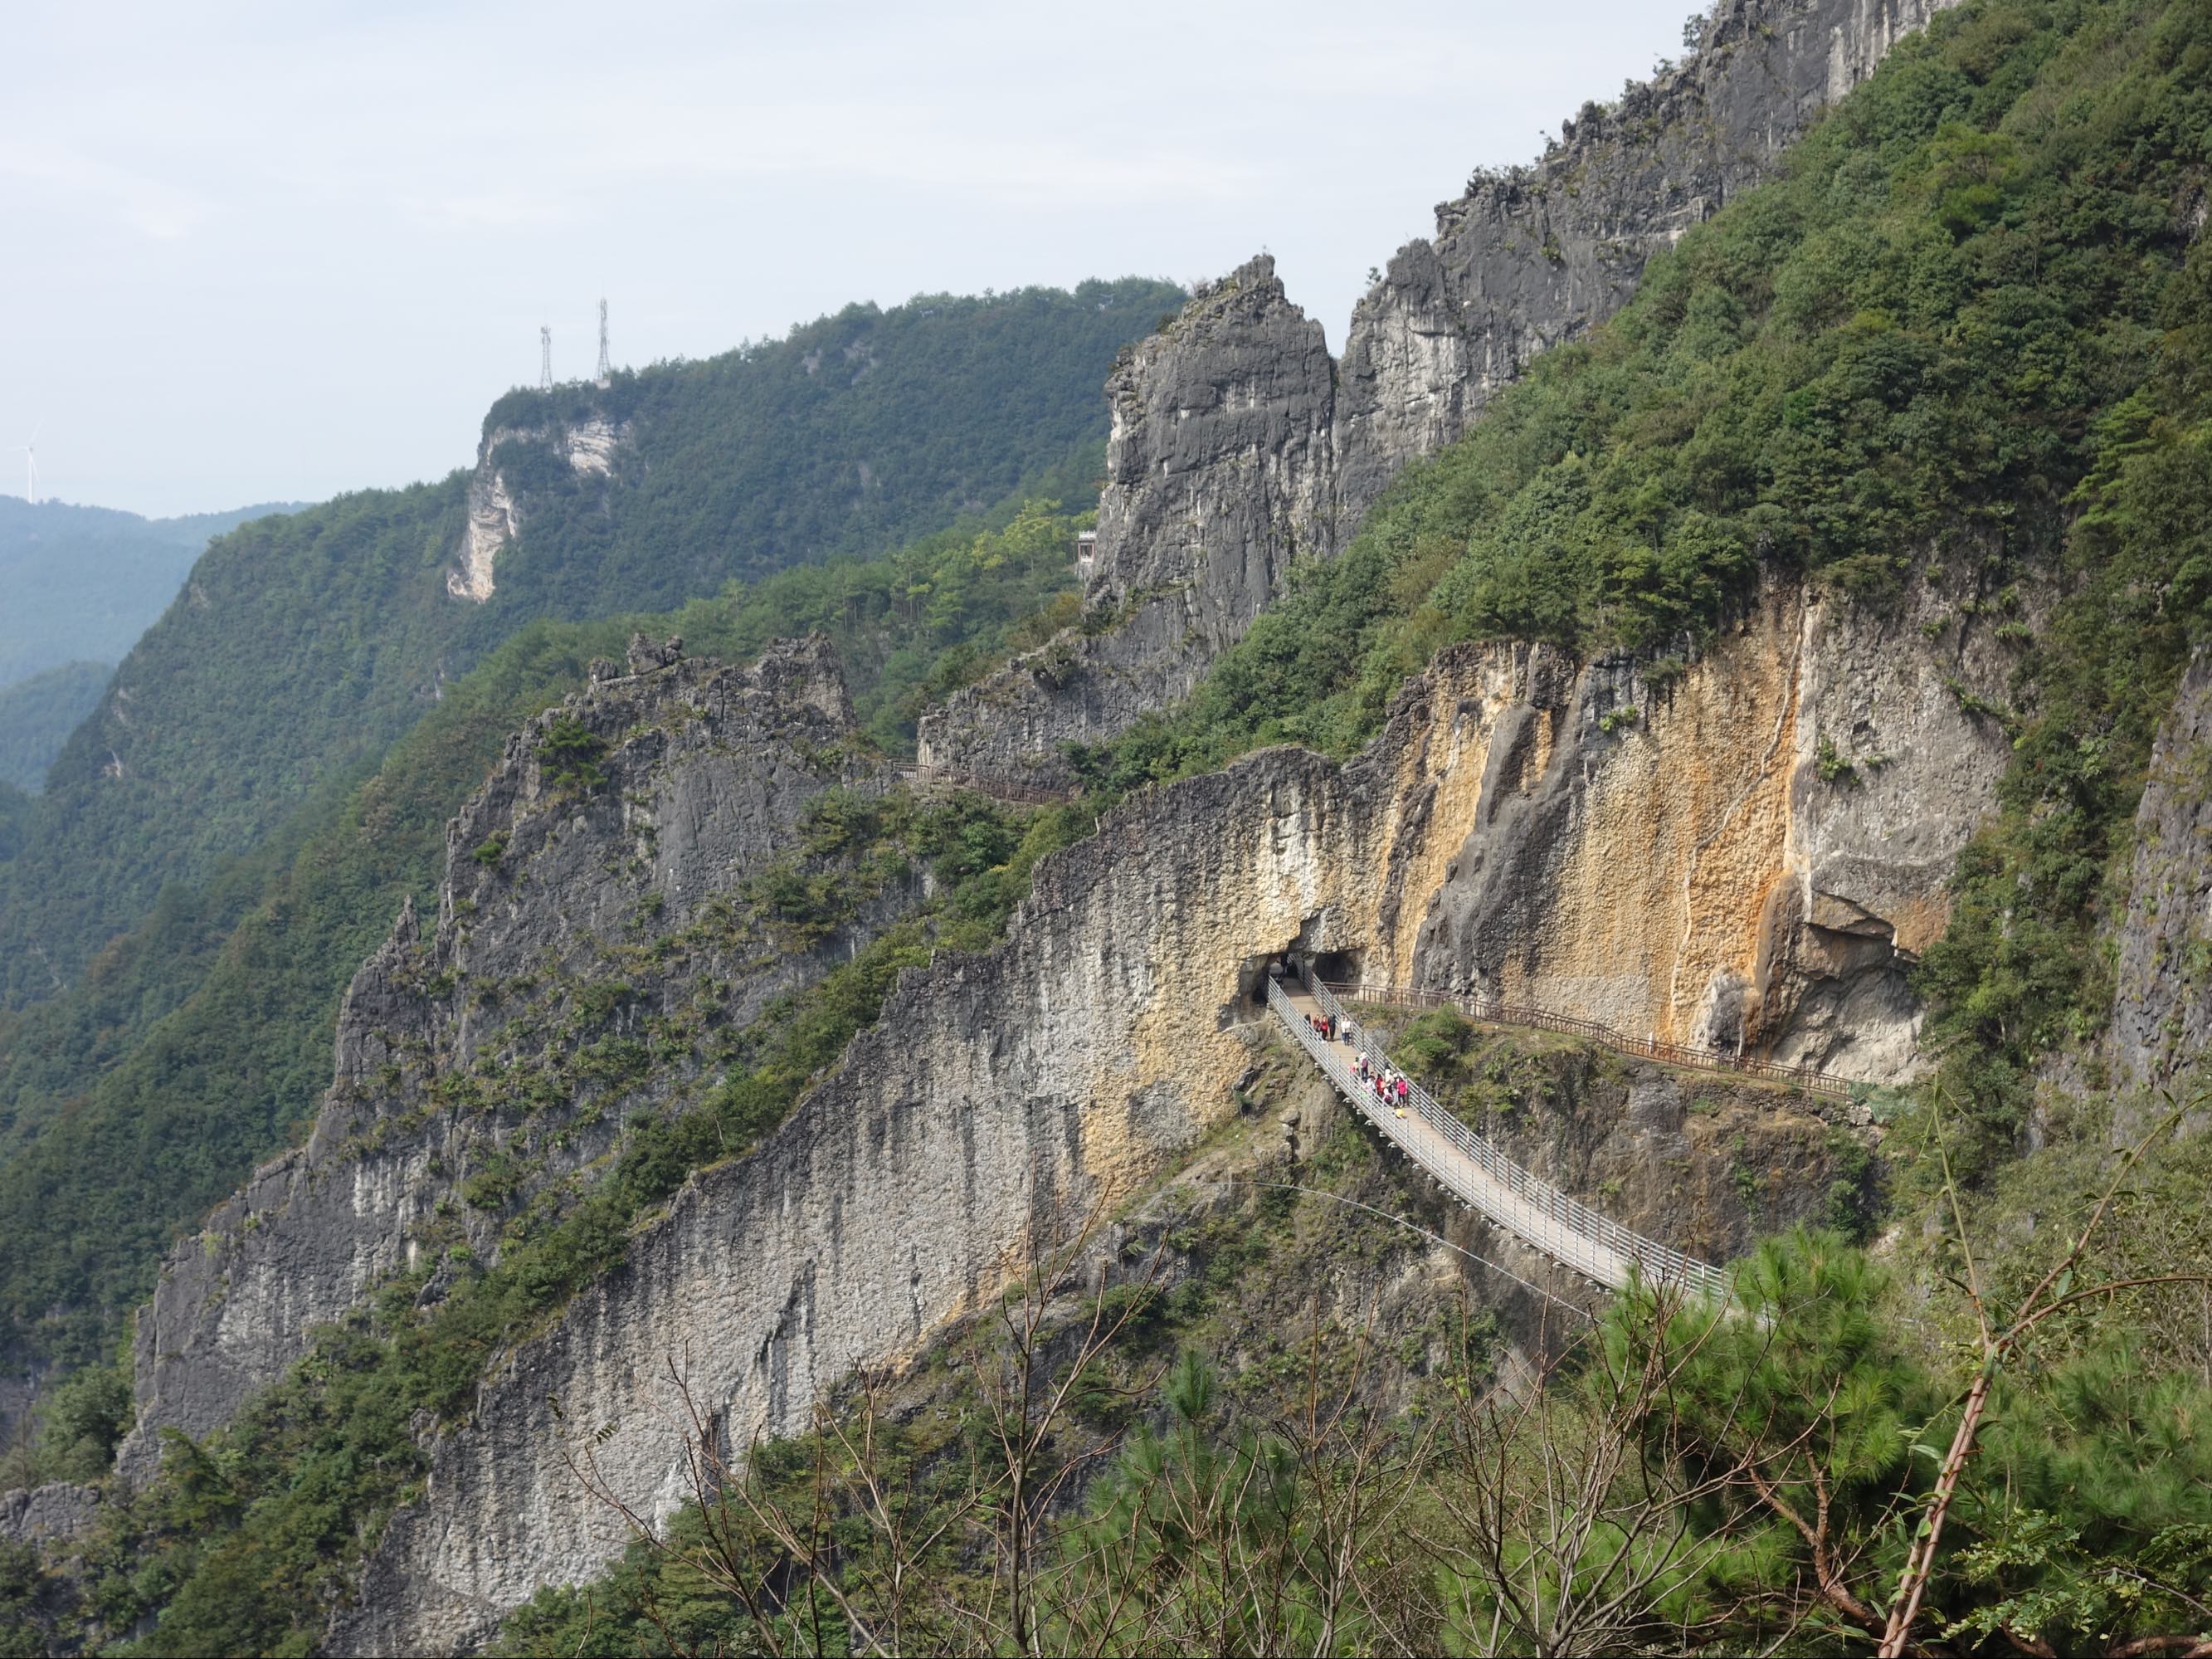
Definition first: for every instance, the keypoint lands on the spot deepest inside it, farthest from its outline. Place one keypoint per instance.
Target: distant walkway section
(935, 780)
(1824, 1083)
(1469, 1167)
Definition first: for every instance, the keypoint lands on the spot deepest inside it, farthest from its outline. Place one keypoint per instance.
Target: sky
(274, 251)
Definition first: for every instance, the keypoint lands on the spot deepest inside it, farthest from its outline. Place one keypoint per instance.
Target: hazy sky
(271, 251)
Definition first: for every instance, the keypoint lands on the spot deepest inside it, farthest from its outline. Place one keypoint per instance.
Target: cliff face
(1238, 444)
(1217, 476)
(2163, 994)
(1003, 1096)
(590, 447)
(1750, 856)
(501, 1054)
(1527, 260)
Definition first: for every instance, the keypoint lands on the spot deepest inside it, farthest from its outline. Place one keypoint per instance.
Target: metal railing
(1531, 1209)
(1498, 1012)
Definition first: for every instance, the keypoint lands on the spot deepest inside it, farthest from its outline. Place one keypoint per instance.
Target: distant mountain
(81, 584)
(302, 646)
(37, 715)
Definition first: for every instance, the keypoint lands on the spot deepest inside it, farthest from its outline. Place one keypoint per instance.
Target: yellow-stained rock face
(1750, 854)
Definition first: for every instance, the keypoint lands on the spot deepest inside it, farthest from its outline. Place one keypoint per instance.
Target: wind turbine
(31, 463)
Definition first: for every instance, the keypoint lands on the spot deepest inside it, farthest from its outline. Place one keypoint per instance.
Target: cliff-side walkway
(1474, 1171)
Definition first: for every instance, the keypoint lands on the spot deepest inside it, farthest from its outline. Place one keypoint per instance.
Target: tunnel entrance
(1335, 967)
(1252, 984)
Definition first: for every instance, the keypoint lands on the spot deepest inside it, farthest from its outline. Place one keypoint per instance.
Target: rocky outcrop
(1004, 1096)
(2162, 991)
(590, 447)
(47, 1514)
(1224, 465)
(1528, 258)
(480, 1062)
(1218, 473)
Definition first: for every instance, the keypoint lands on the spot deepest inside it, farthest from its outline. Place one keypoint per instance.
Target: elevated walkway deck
(1474, 1171)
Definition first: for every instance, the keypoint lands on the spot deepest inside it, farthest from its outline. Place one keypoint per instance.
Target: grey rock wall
(47, 1514)
(1218, 470)
(708, 772)
(1530, 258)
(2162, 991)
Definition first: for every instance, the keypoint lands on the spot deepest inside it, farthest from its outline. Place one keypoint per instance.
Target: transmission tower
(545, 359)
(606, 374)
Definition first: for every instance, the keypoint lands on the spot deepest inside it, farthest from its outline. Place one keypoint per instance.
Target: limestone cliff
(1002, 1096)
(1747, 856)
(1218, 471)
(592, 447)
(585, 927)
(1537, 255)
(1238, 445)
(2162, 991)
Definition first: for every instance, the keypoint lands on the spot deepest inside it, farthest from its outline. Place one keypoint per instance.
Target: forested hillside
(1962, 346)
(305, 645)
(37, 715)
(83, 583)
(200, 1042)
(857, 434)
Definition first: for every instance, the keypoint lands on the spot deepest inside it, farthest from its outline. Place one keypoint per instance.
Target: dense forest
(857, 434)
(37, 715)
(305, 645)
(84, 582)
(200, 1042)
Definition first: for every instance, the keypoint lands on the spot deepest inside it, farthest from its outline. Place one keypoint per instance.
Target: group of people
(1388, 1083)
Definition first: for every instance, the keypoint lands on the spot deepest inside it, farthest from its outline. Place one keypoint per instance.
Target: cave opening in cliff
(1335, 967)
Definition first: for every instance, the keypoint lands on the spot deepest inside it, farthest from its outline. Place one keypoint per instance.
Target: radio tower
(606, 374)
(545, 359)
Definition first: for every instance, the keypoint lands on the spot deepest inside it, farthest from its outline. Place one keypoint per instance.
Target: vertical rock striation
(1004, 1095)
(1749, 856)
(2162, 994)
(482, 1063)
(1218, 468)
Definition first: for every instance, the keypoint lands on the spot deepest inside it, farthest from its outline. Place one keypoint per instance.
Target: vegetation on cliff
(1970, 327)
(1665, 1480)
(241, 1544)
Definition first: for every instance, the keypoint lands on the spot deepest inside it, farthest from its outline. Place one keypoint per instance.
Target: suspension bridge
(1470, 1168)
